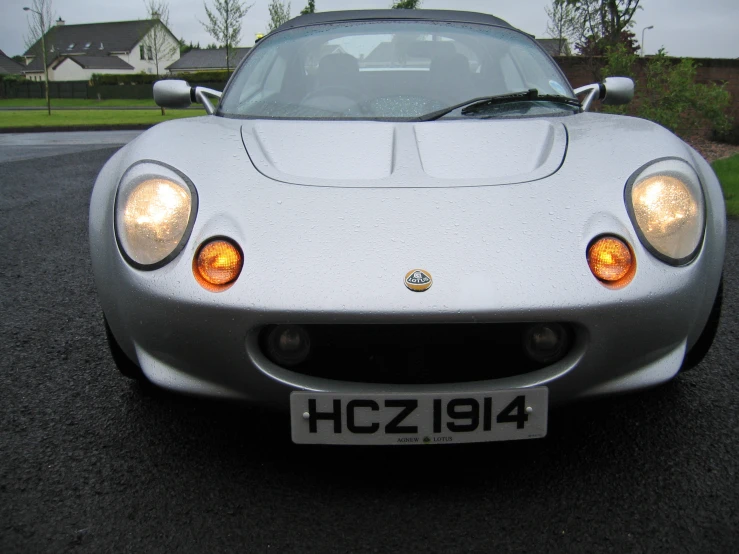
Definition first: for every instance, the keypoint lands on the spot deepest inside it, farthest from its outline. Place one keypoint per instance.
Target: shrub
(730, 135)
(668, 94)
(9, 78)
(147, 79)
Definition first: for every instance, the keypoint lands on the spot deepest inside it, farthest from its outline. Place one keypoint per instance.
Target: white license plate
(421, 418)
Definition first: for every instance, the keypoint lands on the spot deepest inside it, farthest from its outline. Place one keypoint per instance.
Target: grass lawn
(71, 118)
(727, 171)
(74, 103)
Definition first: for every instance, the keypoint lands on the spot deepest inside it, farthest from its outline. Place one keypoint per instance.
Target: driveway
(90, 462)
(27, 146)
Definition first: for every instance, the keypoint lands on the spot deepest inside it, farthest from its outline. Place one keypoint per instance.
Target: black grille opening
(417, 354)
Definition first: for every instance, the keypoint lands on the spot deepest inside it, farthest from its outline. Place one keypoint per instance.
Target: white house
(75, 52)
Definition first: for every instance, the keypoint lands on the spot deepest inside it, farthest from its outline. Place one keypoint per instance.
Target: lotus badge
(418, 280)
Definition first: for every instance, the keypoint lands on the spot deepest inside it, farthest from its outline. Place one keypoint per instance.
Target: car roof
(413, 15)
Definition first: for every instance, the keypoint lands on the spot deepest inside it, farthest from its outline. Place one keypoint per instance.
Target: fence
(82, 89)
(33, 89)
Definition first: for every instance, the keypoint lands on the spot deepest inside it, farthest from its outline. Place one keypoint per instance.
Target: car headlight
(666, 205)
(155, 210)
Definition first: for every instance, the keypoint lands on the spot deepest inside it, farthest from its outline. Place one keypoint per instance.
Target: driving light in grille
(154, 213)
(288, 345)
(545, 342)
(611, 260)
(218, 264)
(667, 208)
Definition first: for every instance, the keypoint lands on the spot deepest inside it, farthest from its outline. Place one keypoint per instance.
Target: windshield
(393, 70)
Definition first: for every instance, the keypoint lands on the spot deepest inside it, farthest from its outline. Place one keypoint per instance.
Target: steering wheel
(335, 90)
(353, 98)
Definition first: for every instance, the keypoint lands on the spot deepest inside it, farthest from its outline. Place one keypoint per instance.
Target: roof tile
(8, 66)
(208, 59)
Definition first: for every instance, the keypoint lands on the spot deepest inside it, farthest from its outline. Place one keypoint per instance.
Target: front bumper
(215, 351)
(329, 256)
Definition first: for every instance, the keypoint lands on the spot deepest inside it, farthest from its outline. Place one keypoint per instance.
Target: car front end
(366, 260)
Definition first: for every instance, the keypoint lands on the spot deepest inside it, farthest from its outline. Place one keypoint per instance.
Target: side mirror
(178, 95)
(613, 91)
(172, 94)
(618, 90)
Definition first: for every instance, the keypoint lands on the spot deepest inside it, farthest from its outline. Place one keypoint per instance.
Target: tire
(704, 342)
(124, 364)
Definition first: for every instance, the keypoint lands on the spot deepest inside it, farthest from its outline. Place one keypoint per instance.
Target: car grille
(416, 354)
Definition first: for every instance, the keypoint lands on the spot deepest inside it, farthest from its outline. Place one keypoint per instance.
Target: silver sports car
(406, 227)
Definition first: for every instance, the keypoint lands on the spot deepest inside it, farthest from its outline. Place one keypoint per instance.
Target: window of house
(142, 56)
(149, 53)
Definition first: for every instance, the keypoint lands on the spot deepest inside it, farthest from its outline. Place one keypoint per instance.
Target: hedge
(146, 79)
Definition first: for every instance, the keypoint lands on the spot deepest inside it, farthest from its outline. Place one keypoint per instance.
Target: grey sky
(705, 29)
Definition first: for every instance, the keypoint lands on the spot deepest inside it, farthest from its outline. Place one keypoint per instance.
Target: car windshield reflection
(390, 70)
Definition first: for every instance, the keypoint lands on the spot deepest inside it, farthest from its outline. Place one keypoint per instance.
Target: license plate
(421, 418)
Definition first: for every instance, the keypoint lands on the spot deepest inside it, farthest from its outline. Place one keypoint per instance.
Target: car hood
(405, 155)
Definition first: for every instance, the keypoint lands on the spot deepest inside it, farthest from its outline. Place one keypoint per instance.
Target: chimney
(59, 22)
(155, 15)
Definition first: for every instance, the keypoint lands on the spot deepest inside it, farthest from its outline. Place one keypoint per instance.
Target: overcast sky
(700, 29)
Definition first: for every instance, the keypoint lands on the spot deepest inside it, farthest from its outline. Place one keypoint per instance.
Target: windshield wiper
(477, 105)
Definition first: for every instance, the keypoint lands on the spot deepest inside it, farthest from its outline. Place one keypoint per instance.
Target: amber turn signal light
(611, 261)
(217, 264)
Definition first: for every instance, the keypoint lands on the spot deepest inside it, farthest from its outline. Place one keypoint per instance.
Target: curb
(61, 129)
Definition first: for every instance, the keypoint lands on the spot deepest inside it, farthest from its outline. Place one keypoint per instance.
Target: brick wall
(583, 71)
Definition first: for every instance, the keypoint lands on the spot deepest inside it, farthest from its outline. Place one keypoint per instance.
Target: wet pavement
(91, 462)
(28, 146)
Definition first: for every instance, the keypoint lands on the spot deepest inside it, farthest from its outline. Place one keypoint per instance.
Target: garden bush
(667, 92)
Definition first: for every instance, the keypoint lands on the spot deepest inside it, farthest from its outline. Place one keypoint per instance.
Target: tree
(185, 47)
(310, 8)
(224, 24)
(278, 14)
(159, 44)
(39, 23)
(590, 46)
(406, 4)
(565, 24)
(603, 21)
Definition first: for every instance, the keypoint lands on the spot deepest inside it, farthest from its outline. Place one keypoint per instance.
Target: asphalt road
(29, 146)
(90, 462)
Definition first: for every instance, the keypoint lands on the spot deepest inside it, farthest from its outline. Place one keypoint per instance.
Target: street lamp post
(43, 51)
(642, 38)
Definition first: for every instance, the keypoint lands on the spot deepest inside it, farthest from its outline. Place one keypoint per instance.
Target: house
(212, 59)
(555, 46)
(8, 66)
(75, 52)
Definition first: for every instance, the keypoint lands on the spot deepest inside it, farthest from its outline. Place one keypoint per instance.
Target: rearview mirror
(172, 94)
